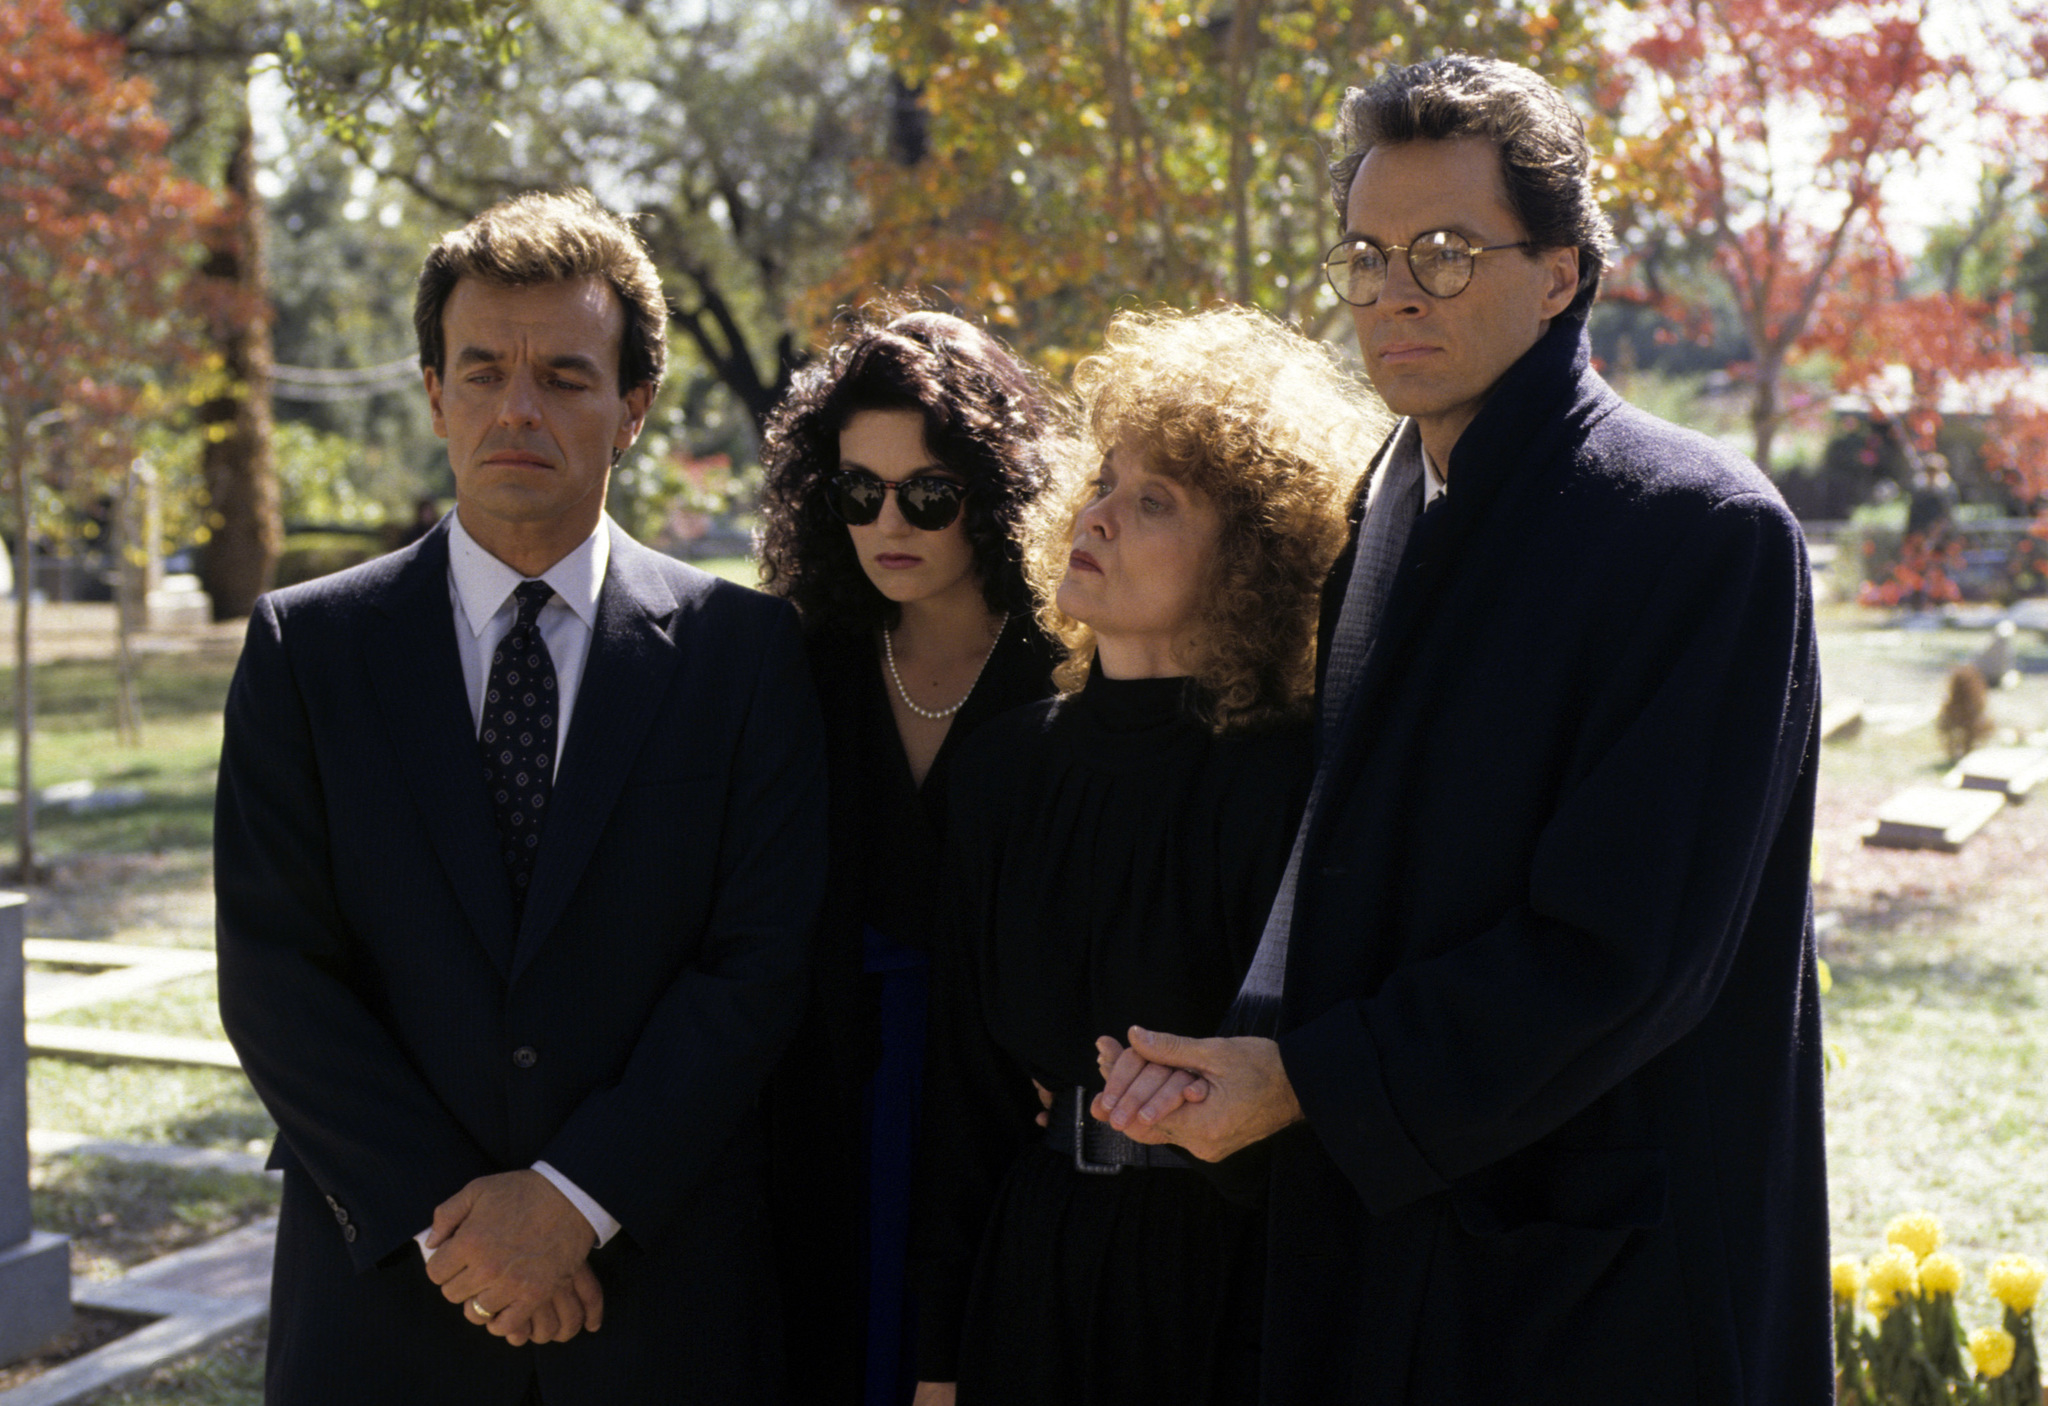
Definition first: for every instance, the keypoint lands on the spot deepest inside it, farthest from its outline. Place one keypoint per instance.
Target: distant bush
(310, 554)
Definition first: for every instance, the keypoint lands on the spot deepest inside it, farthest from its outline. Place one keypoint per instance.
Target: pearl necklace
(889, 650)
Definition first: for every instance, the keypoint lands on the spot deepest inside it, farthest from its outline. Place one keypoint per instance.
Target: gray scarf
(1391, 505)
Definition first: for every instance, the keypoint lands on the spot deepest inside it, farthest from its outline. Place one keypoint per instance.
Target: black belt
(1095, 1146)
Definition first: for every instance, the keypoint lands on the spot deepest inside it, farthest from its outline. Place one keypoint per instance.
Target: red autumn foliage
(98, 232)
(1777, 123)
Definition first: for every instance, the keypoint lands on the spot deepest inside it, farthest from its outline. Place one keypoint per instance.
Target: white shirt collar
(1432, 481)
(483, 583)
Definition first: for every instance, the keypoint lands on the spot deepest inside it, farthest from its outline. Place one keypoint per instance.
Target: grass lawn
(119, 1214)
(1939, 1009)
(228, 1374)
(174, 765)
(1940, 964)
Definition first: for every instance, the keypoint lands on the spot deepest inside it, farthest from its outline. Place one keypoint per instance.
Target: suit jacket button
(525, 1057)
(340, 1216)
(348, 1233)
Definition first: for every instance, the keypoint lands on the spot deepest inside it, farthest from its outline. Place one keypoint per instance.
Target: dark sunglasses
(928, 504)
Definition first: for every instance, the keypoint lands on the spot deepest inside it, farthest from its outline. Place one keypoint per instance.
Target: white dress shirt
(480, 588)
(1432, 486)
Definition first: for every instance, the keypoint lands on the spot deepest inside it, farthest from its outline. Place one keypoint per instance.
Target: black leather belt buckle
(1081, 1162)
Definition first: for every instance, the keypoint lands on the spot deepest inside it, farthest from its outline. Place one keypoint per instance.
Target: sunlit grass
(173, 765)
(132, 1102)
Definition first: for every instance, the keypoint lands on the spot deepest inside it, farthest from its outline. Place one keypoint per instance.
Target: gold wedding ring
(481, 1311)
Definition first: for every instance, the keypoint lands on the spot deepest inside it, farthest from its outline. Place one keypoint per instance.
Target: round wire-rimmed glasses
(1441, 262)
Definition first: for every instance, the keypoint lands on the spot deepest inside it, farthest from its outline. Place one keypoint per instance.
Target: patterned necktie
(518, 736)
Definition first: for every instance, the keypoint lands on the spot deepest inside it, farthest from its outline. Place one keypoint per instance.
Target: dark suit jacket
(1550, 1004)
(407, 1037)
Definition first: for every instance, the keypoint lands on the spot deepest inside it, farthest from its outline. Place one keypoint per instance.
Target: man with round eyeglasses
(1533, 1026)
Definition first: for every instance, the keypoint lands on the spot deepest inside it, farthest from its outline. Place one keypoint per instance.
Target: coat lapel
(416, 674)
(1511, 447)
(632, 657)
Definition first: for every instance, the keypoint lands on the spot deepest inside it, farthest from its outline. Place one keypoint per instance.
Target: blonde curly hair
(1270, 429)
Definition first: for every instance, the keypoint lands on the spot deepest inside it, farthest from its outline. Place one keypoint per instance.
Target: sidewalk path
(196, 1297)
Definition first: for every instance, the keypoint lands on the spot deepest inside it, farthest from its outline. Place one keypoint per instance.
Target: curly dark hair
(987, 417)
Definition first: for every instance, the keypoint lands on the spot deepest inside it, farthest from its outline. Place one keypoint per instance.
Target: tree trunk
(17, 451)
(247, 526)
(1239, 71)
(130, 595)
(1764, 413)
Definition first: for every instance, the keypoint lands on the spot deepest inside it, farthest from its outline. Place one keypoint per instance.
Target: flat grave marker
(1840, 718)
(1932, 817)
(2010, 771)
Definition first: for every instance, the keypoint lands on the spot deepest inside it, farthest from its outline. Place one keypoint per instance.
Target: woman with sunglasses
(897, 471)
(1117, 868)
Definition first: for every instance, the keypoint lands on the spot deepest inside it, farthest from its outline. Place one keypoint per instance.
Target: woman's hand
(934, 1394)
(1246, 1099)
(1140, 1088)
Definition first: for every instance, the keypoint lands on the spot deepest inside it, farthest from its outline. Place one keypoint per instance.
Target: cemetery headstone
(1840, 718)
(2011, 771)
(1932, 817)
(35, 1266)
(1999, 661)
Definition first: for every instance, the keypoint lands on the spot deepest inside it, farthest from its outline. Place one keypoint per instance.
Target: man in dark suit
(518, 840)
(1533, 1027)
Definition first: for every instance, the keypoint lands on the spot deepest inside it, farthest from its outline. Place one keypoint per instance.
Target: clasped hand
(1209, 1097)
(513, 1251)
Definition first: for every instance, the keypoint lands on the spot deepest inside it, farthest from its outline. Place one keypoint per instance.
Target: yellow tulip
(1991, 1349)
(1919, 1232)
(2015, 1281)
(1940, 1274)
(1848, 1277)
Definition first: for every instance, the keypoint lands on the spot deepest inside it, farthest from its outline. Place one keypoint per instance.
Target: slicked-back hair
(550, 237)
(1545, 165)
(987, 418)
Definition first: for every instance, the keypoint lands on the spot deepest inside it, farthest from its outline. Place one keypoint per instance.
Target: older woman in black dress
(898, 472)
(1115, 851)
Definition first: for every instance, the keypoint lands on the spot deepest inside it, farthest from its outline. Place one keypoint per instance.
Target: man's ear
(433, 380)
(1562, 266)
(637, 401)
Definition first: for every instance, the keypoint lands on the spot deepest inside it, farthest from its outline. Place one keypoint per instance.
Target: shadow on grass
(227, 1374)
(180, 819)
(1887, 915)
(80, 693)
(119, 1214)
(1994, 988)
(164, 821)
(225, 1127)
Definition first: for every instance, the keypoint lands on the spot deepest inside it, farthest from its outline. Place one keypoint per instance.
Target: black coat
(408, 1037)
(1550, 1004)
(887, 842)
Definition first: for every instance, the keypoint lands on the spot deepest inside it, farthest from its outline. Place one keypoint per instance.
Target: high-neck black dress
(1114, 861)
(850, 1079)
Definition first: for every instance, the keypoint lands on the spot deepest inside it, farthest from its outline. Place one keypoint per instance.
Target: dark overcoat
(409, 1034)
(1550, 1003)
